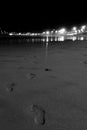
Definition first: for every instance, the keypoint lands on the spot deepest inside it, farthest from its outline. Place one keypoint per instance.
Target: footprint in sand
(85, 62)
(10, 87)
(38, 113)
(35, 57)
(31, 75)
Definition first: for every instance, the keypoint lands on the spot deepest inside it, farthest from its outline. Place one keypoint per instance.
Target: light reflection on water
(48, 43)
(41, 48)
(56, 39)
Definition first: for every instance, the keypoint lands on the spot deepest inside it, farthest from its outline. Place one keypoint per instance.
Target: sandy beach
(52, 77)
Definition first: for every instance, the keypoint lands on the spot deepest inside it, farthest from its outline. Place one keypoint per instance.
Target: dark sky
(38, 16)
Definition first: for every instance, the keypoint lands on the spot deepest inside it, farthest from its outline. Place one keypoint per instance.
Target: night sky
(39, 16)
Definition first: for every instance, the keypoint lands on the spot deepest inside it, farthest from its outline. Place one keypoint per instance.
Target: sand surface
(54, 78)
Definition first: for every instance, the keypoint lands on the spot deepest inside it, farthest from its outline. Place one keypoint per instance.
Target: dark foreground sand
(55, 79)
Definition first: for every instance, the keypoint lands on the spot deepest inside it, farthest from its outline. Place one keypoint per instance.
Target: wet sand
(54, 78)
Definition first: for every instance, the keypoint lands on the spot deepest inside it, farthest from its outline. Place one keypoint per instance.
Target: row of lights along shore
(59, 34)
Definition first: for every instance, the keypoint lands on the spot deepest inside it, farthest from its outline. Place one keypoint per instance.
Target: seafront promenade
(55, 34)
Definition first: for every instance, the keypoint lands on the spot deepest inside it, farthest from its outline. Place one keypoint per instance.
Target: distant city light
(52, 31)
(11, 34)
(56, 31)
(47, 32)
(83, 28)
(74, 29)
(79, 31)
(62, 31)
(44, 33)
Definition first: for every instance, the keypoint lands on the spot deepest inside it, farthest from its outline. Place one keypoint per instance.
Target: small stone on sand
(47, 69)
